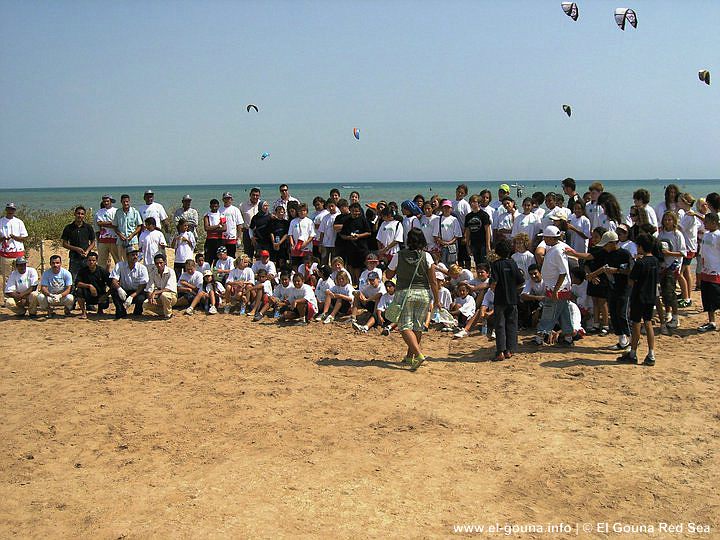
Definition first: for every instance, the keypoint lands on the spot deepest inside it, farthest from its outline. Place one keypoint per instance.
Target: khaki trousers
(164, 305)
(30, 304)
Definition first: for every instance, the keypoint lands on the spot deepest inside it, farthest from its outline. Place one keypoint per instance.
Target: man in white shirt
(233, 224)
(556, 275)
(154, 209)
(12, 235)
(21, 289)
(161, 288)
(106, 236)
(284, 199)
(327, 233)
(248, 209)
(302, 232)
(128, 281)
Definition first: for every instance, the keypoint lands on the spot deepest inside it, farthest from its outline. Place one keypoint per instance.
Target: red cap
(264, 253)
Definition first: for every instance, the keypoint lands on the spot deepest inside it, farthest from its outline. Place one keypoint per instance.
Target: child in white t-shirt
(383, 303)
(367, 297)
(522, 255)
(214, 292)
(308, 270)
(339, 297)
(238, 285)
(184, 243)
(278, 297)
(338, 265)
(324, 284)
(224, 264)
(302, 303)
(389, 235)
(260, 295)
(463, 306)
(200, 263)
(152, 242)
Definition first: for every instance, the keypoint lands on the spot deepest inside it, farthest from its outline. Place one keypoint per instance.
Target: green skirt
(415, 311)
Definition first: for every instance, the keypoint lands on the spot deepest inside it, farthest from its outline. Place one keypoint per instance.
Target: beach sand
(218, 427)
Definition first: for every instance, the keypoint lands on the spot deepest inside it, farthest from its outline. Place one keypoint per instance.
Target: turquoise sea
(170, 195)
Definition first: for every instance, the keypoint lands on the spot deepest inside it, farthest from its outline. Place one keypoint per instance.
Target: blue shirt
(56, 283)
(126, 224)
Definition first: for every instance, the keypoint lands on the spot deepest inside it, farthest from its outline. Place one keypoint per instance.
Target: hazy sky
(155, 91)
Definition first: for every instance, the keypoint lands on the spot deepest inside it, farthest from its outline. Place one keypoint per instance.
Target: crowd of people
(564, 264)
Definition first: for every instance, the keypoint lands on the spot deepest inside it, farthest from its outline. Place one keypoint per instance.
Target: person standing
(127, 224)
(155, 210)
(569, 186)
(78, 238)
(106, 235)
(187, 213)
(556, 275)
(461, 208)
(12, 235)
(233, 224)
(284, 199)
(21, 289)
(249, 209)
(505, 278)
(416, 286)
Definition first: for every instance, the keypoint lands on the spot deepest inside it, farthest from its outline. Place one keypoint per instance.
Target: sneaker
(189, 311)
(566, 342)
(257, 317)
(673, 323)
(385, 332)
(707, 327)
(416, 362)
(328, 319)
(538, 340)
(508, 355)
(604, 331)
(668, 317)
(168, 316)
(358, 327)
(212, 310)
(499, 357)
(226, 310)
(491, 336)
(318, 317)
(682, 303)
(688, 302)
(627, 358)
(620, 347)
(594, 330)
(649, 360)
(276, 315)
(448, 329)
(243, 309)
(664, 330)
(461, 334)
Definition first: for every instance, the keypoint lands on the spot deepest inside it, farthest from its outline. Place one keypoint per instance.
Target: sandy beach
(218, 427)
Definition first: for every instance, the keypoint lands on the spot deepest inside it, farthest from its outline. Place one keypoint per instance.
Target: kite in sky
(623, 15)
(571, 10)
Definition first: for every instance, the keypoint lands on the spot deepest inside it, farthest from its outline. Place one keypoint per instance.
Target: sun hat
(372, 205)
(149, 192)
(561, 215)
(132, 248)
(207, 273)
(609, 236)
(446, 202)
(227, 195)
(11, 205)
(551, 231)
(187, 197)
(107, 196)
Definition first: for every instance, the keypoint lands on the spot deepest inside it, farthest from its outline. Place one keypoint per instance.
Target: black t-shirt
(572, 200)
(100, 279)
(507, 277)
(260, 226)
(475, 222)
(645, 279)
(357, 225)
(78, 237)
(341, 219)
(622, 259)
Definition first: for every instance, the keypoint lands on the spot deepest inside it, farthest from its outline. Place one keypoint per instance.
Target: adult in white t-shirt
(556, 275)
(12, 234)
(233, 224)
(21, 289)
(155, 210)
(106, 236)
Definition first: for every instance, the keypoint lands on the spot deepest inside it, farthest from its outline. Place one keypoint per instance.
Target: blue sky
(155, 91)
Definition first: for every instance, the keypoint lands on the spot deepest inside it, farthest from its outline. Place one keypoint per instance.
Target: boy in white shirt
(264, 263)
(302, 232)
(189, 285)
(327, 233)
(367, 298)
(710, 277)
(152, 241)
(382, 305)
(224, 264)
(260, 296)
(301, 301)
(371, 265)
(184, 245)
(448, 234)
(531, 297)
(463, 306)
(324, 284)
